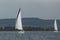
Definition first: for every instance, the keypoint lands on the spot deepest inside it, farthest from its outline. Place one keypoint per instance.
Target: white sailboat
(55, 26)
(18, 25)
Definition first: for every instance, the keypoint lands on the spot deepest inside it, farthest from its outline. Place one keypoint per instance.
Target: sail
(55, 26)
(19, 21)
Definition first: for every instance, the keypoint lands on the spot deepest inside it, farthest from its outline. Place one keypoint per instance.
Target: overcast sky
(45, 9)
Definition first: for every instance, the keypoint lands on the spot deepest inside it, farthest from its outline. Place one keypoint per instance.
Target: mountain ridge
(29, 22)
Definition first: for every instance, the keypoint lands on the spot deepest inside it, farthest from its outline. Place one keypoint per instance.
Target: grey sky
(45, 9)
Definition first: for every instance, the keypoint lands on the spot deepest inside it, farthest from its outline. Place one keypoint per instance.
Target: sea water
(29, 35)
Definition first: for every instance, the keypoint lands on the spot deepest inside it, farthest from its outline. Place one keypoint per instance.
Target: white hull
(55, 31)
(21, 32)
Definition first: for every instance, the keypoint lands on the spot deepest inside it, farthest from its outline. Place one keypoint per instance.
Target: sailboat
(18, 25)
(55, 26)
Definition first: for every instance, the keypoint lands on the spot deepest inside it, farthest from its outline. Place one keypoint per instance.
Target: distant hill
(36, 22)
(29, 22)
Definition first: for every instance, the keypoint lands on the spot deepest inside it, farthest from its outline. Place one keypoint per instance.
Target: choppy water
(30, 35)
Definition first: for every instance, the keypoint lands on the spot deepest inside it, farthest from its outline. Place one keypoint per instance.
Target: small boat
(18, 25)
(55, 26)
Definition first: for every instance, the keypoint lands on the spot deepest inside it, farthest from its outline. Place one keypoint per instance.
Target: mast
(18, 25)
(55, 26)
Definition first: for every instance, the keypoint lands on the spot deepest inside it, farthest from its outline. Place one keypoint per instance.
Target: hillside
(29, 23)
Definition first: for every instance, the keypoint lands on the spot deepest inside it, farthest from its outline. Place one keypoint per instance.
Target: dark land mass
(26, 29)
(29, 24)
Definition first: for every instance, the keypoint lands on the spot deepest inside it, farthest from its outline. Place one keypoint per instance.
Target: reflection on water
(29, 35)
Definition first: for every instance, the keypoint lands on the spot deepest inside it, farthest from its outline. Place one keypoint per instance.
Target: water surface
(29, 35)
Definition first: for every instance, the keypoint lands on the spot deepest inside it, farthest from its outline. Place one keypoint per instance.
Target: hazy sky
(45, 9)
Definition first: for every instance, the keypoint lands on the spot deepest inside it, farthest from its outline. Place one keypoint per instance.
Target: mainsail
(55, 26)
(18, 25)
